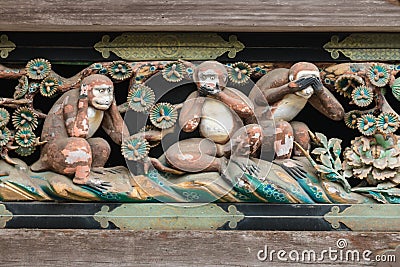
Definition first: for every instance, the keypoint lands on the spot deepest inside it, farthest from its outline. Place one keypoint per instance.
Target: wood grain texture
(205, 15)
(173, 248)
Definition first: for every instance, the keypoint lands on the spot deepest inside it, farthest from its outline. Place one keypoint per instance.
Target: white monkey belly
(288, 107)
(217, 121)
(95, 117)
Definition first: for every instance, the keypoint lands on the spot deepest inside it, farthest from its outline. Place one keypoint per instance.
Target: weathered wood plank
(178, 248)
(206, 15)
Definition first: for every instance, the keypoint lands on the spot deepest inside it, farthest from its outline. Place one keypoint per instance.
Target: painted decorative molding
(5, 216)
(146, 216)
(366, 217)
(165, 46)
(6, 46)
(366, 46)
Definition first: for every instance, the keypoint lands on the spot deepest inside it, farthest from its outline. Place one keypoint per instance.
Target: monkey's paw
(98, 184)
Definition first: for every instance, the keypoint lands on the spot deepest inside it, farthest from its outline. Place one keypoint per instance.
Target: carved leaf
(386, 185)
(323, 169)
(338, 164)
(335, 145)
(325, 159)
(322, 138)
(319, 151)
(362, 173)
(384, 174)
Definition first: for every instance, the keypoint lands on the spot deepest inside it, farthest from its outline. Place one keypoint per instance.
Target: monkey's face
(211, 75)
(101, 96)
(208, 79)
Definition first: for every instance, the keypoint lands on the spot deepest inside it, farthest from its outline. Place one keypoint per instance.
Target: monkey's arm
(113, 124)
(275, 94)
(325, 102)
(237, 101)
(189, 118)
(75, 116)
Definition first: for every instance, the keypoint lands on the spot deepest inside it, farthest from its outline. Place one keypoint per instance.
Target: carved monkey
(287, 91)
(217, 111)
(70, 125)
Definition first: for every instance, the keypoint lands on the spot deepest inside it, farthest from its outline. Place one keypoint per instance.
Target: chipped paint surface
(285, 148)
(78, 155)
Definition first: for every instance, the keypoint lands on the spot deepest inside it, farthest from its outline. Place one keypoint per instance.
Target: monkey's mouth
(105, 105)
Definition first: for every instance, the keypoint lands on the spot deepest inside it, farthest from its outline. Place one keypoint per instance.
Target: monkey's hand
(205, 91)
(301, 83)
(84, 91)
(317, 85)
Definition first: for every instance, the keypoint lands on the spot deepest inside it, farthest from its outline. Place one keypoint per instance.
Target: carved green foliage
(327, 159)
(374, 159)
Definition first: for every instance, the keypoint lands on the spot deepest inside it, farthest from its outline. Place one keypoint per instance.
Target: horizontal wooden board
(206, 15)
(182, 248)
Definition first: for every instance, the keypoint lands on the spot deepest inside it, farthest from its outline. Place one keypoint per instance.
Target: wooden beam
(206, 15)
(181, 248)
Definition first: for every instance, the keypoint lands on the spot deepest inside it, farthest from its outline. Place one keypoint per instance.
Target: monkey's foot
(98, 184)
(292, 167)
(161, 167)
(247, 166)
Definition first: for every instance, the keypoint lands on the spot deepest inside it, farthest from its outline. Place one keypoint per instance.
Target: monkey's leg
(100, 151)
(283, 140)
(69, 156)
(195, 155)
(301, 136)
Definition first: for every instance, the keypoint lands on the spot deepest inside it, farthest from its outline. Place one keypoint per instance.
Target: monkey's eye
(212, 77)
(102, 90)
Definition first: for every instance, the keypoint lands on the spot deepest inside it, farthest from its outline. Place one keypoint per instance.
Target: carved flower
(33, 87)
(378, 75)
(24, 117)
(141, 98)
(21, 88)
(48, 87)
(4, 136)
(367, 124)
(25, 137)
(4, 117)
(100, 68)
(120, 70)
(25, 151)
(346, 83)
(173, 72)
(239, 73)
(135, 148)
(374, 159)
(163, 115)
(362, 96)
(351, 118)
(387, 123)
(38, 69)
